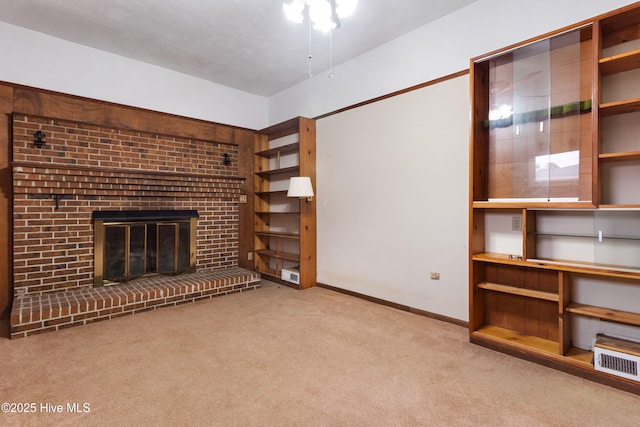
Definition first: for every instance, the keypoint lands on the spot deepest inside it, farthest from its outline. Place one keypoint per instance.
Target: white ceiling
(243, 44)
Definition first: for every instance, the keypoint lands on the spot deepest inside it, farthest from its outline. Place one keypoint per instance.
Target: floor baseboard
(396, 305)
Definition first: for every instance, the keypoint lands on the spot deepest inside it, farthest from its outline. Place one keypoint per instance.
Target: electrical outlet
(435, 275)
(250, 256)
(242, 198)
(516, 223)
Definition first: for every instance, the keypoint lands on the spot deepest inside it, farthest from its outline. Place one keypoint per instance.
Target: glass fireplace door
(137, 249)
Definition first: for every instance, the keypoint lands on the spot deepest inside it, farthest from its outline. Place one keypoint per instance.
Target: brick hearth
(35, 314)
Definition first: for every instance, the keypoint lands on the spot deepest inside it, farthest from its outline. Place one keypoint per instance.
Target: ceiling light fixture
(325, 17)
(324, 14)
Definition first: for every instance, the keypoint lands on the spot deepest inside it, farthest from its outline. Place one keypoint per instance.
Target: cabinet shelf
(530, 344)
(621, 156)
(620, 63)
(619, 207)
(277, 234)
(282, 150)
(586, 268)
(500, 259)
(585, 236)
(276, 213)
(530, 293)
(620, 107)
(269, 272)
(574, 356)
(577, 235)
(517, 340)
(579, 357)
(532, 205)
(270, 193)
(612, 315)
(273, 172)
(279, 255)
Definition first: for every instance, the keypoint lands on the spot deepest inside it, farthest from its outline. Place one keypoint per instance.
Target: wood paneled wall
(33, 101)
(6, 241)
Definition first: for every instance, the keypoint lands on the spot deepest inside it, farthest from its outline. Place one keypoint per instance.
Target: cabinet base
(560, 363)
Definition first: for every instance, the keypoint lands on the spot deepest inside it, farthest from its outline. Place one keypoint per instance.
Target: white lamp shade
(300, 186)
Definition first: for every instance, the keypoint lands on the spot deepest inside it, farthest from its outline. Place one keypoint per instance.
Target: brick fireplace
(85, 168)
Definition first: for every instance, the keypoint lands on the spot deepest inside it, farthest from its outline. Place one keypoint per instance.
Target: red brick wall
(91, 167)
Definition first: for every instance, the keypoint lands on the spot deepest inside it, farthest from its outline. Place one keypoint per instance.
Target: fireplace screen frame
(102, 220)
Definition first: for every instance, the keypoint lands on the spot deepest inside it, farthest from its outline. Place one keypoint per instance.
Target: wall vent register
(617, 357)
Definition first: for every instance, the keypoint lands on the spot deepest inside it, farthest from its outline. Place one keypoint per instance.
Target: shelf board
(622, 156)
(522, 342)
(584, 357)
(584, 236)
(282, 171)
(620, 107)
(500, 259)
(530, 293)
(276, 213)
(279, 255)
(496, 205)
(532, 205)
(588, 268)
(270, 193)
(561, 265)
(619, 207)
(283, 149)
(281, 235)
(619, 63)
(268, 272)
(612, 315)
(546, 348)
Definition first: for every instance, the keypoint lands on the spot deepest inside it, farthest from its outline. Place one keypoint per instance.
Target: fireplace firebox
(131, 244)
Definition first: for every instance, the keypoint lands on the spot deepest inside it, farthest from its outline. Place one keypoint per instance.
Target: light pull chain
(331, 75)
(309, 70)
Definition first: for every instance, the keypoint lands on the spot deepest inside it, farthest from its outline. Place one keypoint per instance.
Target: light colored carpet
(279, 357)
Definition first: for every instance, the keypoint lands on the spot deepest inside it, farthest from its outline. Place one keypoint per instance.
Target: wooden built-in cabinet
(555, 195)
(284, 227)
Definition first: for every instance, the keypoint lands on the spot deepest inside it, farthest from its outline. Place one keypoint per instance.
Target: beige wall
(392, 198)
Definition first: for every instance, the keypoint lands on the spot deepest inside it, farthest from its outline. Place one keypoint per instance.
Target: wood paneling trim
(308, 254)
(396, 93)
(84, 109)
(245, 210)
(143, 132)
(6, 197)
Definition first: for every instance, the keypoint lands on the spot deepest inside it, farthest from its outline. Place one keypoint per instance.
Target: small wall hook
(56, 198)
